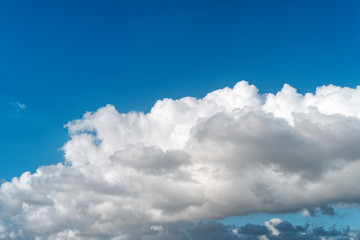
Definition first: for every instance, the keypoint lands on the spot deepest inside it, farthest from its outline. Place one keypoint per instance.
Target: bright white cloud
(233, 152)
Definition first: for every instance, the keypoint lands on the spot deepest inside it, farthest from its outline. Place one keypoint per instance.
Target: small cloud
(305, 213)
(271, 225)
(19, 106)
(327, 210)
(317, 211)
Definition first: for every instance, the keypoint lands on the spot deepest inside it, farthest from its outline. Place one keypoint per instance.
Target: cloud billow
(233, 152)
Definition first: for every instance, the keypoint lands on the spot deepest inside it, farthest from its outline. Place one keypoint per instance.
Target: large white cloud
(234, 152)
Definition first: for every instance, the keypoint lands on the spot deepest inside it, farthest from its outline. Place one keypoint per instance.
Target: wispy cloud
(19, 106)
(234, 152)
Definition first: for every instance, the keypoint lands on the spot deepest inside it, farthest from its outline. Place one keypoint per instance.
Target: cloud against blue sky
(63, 58)
(233, 152)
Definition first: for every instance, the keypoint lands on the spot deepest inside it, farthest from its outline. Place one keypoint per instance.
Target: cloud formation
(234, 152)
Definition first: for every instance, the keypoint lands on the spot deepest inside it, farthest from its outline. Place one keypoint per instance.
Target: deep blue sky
(63, 58)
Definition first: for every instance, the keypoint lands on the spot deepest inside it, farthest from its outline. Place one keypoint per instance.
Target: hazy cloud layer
(234, 152)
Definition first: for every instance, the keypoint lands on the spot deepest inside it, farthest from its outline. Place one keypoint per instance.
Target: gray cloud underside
(234, 152)
(279, 230)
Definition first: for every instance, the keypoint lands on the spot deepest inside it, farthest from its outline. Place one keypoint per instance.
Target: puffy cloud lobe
(157, 161)
(234, 152)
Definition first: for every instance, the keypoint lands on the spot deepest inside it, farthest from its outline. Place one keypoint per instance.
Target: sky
(118, 60)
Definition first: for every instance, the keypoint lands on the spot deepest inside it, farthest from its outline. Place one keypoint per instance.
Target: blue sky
(59, 59)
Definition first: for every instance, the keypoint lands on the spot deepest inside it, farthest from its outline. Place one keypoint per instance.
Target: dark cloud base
(218, 231)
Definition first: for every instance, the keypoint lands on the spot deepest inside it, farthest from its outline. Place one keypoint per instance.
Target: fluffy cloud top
(234, 152)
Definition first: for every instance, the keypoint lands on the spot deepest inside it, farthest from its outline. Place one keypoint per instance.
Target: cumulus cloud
(233, 152)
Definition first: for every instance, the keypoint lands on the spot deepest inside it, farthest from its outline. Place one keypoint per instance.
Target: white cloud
(233, 152)
(271, 225)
